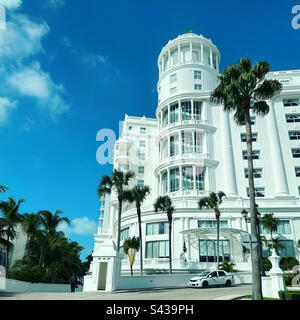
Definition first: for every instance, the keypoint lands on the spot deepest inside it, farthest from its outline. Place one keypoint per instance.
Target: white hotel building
(193, 147)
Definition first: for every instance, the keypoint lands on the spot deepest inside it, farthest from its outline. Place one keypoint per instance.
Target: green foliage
(267, 264)
(288, 278)
(227, 266)
(133, 243)
(288, 263)
(289, 295)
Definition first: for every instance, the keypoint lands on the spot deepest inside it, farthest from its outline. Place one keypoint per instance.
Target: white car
(212, 278)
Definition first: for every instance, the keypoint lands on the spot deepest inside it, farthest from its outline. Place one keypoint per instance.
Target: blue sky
(69, 68)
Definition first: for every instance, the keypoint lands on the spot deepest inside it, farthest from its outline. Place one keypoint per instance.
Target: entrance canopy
(194, 235)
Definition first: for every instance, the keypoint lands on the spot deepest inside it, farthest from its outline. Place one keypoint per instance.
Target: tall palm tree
(130, 247)
(213, 202)
(164, 204)
(117, 182)
(10, 212)
(269, 223)
(138, 194)
(31, 225)
(49, 223)
(242, 87)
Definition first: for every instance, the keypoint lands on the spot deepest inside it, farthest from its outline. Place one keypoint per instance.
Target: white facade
(194, 147)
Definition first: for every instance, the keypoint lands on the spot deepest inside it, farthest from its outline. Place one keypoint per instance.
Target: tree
(130, 247)
(242, 87)
(49, 224)
(2, 188)
(164, 204)
(213, 202)
(31, 225)
(117, 182)
(269, 223)
(10, 212)
(138, 194)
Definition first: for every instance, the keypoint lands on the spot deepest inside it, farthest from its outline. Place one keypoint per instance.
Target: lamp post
(248, 220)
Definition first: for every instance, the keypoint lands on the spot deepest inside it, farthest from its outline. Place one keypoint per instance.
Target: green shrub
(227, 266)
(288, 263)
(281, 294)
(288, 279)
(289, 295)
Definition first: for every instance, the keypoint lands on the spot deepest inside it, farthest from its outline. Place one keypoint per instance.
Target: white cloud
(55, 3)
(19, 44)
(81, 226)
(5, 106)
(11, 4)
(94, 60)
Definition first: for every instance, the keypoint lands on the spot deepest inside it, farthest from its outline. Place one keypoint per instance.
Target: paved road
(178, 293)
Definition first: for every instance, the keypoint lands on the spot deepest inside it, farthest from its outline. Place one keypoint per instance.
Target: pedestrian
(73, 282)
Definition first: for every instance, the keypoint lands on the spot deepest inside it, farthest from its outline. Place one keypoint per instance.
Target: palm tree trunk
(218, 238)
(259, 244)
(7, 253)
(119, 223)
(43, 252)
(131, 271)
(170, 246)
(140, 236)
(256, 275)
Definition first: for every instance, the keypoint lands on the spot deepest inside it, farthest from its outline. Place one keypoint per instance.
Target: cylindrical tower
(188, 72)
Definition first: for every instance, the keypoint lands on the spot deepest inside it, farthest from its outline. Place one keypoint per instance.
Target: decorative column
(169, 151)
(211, 59)
(191, 52)
(180, 178)
(180, 143)
(194, 177)
(168, 180)
(179, 54)
(230, 186)
(192, 108)
(169, 62)
(202, 56)
(281, 186)
(179, 109)
(169, 115)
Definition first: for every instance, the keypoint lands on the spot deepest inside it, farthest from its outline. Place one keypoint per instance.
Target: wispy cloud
(5, 106)
(55, 3)
(20, 43)
(80, 226)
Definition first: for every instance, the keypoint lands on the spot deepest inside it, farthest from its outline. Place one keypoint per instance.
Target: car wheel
(228, 283)
(205, 284)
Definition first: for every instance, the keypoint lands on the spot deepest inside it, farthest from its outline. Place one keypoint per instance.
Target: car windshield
(204, 273)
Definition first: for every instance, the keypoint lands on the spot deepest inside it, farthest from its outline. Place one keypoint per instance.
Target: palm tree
(49, 223)
(269, 223)
(31, 225)
(243, 87)
(2, 188)
(117, 182)
(130, 247)
(10, 212)
(213, 202)
(138, 194)
(164, 204)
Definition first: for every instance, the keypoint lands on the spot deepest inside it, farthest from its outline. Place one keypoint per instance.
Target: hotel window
(259, 192)
(244, 137)
(187, 178)
(174, 180)
(142, 156)
(200, 178)
(124, 234)
(173, 90)
(283, 227)
(124, 167)
(208, 250)
(140, 183)
(252, 121)
(165, 182)
(165, 118)
(156, 228)
(173, 78)
(195, 56)
(294, 135)
(198, 87)
(285, 81)
(297, 171)
(292, 118)
(142, 130)
(285, 252)
(197, 110)
(142, 143)
(187, 142)
(299, 190)
(212, 224)
(198, 142)
(296, 153)
(174, 113)
(129, 128)
(186, 110)
(157, 249)
(257, 173)
(255, 155)
(141, 170)
(174, 146)
(124, 255)
(197, 75)
(290, 102)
